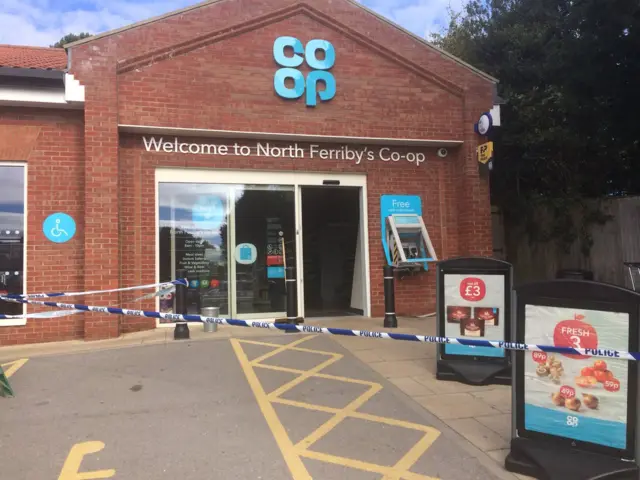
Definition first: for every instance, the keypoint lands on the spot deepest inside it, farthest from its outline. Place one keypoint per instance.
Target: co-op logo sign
(319, 73)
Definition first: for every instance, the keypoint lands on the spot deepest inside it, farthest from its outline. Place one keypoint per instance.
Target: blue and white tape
(164, 286)
(50, 314)
(599, 352)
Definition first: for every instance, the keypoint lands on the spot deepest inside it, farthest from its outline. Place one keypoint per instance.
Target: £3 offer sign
(473, 289)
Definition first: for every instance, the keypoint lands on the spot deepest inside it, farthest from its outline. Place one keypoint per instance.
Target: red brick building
(169, 140)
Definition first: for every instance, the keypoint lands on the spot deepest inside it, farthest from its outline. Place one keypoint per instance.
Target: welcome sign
(356, 155)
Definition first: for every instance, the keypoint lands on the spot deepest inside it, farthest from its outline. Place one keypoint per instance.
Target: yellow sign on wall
(485, 152)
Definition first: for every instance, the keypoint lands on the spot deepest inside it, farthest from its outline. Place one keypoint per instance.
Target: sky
(44, 22)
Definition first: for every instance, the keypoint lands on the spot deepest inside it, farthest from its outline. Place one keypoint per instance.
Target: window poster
(579, 397)
(474, 309)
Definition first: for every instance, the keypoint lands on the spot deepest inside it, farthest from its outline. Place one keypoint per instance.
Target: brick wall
(414, 295)
(212, 68)
(51, 143)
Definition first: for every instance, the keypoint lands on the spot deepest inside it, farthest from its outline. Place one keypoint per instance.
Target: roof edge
(356, 3)
(140, 23)
(422, 40)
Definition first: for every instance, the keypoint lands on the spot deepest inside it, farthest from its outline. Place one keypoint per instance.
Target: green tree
(565, 69)
(71, 37)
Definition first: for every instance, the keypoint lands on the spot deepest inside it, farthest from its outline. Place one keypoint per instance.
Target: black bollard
(292, 298)
(390, 320)
(181, 331)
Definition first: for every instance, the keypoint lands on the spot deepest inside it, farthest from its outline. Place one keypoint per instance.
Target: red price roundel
(539, 357)
(472, 289)
(567, 392)
(575, 334)
(612, 385)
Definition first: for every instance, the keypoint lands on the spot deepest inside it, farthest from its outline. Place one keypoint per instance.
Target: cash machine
(405, 238)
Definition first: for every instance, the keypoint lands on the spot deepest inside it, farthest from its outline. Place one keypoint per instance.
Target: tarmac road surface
(285, 406)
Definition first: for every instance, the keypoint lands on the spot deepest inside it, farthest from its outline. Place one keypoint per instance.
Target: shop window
(232, 240)
(12, 238)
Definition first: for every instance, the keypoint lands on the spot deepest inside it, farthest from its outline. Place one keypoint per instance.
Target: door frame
(345, 180)
(268, 177)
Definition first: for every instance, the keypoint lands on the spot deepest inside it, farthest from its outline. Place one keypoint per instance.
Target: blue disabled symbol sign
(59, 227)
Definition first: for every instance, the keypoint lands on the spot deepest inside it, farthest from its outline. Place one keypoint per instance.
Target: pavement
(248, 404)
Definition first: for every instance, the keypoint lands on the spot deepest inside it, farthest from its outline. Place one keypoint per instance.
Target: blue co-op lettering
(319, 72)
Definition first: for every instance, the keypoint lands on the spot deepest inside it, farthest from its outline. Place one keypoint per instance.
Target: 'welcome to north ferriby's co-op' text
(266, 149)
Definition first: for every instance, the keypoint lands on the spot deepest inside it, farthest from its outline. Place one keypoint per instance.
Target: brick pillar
(474, 204)
(94, 64)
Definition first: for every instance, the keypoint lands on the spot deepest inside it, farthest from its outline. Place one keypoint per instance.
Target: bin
(210, 312)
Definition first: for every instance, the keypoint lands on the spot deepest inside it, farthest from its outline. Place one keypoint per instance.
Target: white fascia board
(292, 137)
(71, 96)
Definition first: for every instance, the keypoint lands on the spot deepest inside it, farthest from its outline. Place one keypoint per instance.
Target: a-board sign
(575, 404)
(474, 302)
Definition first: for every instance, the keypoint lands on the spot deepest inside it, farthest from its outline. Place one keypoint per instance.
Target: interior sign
(356, 155)
(319, 69)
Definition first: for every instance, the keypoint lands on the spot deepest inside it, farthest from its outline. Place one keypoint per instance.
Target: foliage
(566, 70)
(71, 37)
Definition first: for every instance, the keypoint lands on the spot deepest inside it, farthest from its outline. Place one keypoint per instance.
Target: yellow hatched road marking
(295, 464)
(293, 453)
(366, 466)
(339, 416)
(15, 365)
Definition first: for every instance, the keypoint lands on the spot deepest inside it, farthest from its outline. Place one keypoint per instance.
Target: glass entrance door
(264, 238)
(194, 224)
(233, 240)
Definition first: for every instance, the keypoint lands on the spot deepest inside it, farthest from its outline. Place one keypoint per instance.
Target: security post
(292, 298)
(390, 319)
(473, 301)
(575, 416)
(181, 331)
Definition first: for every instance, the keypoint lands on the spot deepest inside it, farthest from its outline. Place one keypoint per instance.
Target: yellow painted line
(293, 460)
(361, 416)
(397, 472)
(15, 365)
(326, 427)
(413, 455)
(73, 461)
(319, 375)
(366, 466)
(279, 349)
(306, 375)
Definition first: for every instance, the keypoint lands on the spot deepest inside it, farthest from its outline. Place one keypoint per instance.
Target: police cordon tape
(51, 314)
(593, 352)
(163, 285)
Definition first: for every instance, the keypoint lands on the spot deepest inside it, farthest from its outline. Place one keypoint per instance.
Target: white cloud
(44, 22)
(421, 17)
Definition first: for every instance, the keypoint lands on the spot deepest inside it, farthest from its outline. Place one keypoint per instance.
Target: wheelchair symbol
(59, 227)
(57, 231)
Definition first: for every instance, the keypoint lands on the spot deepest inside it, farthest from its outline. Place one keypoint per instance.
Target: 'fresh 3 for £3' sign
(319, 73)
